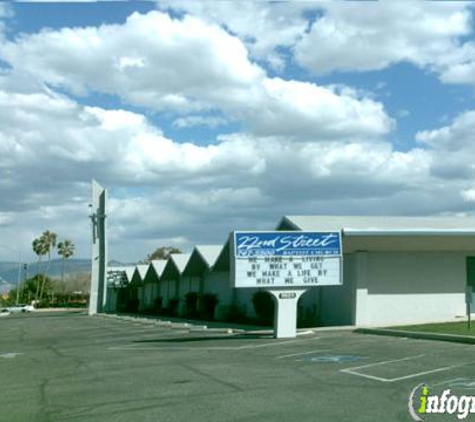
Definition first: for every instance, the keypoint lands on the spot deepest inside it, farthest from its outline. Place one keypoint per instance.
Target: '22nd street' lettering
(249, 243)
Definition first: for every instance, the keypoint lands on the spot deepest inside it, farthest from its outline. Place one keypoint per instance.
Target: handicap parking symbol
(330, 359)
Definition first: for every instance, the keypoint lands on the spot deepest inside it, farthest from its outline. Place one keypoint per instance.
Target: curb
(205, 328)
(72, 310)
(417, 335)
(170, 324)
(224, 330)
(331, 328)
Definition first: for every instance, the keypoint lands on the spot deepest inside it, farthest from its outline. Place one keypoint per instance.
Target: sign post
(286, 264)
(285, 322)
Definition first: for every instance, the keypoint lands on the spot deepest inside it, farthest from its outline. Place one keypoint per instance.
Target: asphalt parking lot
(71, 367)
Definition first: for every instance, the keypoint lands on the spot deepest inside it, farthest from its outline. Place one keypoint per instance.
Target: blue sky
(203, 117)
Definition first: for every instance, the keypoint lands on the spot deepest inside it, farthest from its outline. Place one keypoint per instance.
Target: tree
(49, 240)
(65, 250)
(39, 248)
(29, 287)
(163, 252)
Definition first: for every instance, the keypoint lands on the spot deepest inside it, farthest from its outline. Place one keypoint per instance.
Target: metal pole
(18, 279)
(468, 299)
(469, 320)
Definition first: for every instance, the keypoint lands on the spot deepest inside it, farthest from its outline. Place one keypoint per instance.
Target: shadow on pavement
(206, 338)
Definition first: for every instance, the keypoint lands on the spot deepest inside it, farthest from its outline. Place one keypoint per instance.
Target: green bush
(264, 307)
(158, 305)
(133, 306)
(236, 315)
(191, 305)
(208, 303)
(172, 308)
(44, 303)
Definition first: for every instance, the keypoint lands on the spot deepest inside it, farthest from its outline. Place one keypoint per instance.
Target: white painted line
(251, 346)
(352, 371)
(433, 371)
(384, 362)
(303, 353)
(371, 377)
(349, 371)
(446, 381)
(9, 355)
(464, 383)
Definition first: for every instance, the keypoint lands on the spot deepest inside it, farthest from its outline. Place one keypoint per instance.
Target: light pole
(19, 270)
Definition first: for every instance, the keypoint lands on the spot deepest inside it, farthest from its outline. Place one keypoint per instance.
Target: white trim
(408, 232)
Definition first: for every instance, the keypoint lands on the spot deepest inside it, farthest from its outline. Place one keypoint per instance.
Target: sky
(203, 117)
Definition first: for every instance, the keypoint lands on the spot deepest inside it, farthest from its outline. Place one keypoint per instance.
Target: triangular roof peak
(158, 265)
(175, 265)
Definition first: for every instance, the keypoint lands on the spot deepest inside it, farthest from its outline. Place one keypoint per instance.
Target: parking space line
(433, 371)
(446, 382)
(372, 377)
(303, 353)
(353, 371)
(384, 362)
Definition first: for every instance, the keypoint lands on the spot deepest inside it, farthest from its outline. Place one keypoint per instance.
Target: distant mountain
(9, 270)
(114, 263)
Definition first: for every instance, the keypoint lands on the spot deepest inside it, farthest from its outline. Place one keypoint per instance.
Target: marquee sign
(287, 259)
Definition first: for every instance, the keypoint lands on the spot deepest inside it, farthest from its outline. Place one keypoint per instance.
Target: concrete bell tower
(98, 294)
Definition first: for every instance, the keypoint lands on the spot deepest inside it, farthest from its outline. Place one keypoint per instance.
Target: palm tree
(49, 240)
(39, 248)
(65, 250)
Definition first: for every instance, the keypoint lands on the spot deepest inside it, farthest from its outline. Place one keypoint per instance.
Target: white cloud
(6, 10)
(458, 66)
(349, 36)
(371, 36)
(189, 65)
(468, 195)
(302, 148)
(176, 63)
(263, 26)
(191, 121)
(304, 109)
(453, 148)
(458, 135)
(50, 148)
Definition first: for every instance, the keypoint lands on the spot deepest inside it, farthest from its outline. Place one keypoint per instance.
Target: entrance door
(471, 279)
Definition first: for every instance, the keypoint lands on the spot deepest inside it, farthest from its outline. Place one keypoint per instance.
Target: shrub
(133, 306)
(236, 315)
(264, 307)
(172, 309)
(208, 303)
(44, 303)
(191, 304)
(158, 305)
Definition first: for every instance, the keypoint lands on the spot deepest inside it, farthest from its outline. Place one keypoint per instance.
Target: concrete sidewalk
(455, 338)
